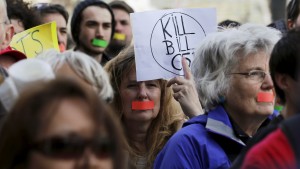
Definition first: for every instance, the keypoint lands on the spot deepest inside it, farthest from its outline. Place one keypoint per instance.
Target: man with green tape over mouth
(92, 27)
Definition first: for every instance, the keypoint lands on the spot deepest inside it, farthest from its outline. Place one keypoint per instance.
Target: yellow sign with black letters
(36, 40)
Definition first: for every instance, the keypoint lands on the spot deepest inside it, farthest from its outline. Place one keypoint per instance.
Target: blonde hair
(169, 118)
(85, 67)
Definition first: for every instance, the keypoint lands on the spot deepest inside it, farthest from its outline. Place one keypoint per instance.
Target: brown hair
(32, 110)
(170, 116)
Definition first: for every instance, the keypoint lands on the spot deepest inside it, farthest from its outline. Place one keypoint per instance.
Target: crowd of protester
(80, 107)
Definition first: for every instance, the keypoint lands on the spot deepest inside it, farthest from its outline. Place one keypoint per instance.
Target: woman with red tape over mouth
(148, 111)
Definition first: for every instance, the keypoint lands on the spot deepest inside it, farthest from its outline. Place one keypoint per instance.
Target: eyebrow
(96, 22)
(106, 23)
(91, 21)
(254, 68)
(132, 81)
(152, 81)
(124, 20)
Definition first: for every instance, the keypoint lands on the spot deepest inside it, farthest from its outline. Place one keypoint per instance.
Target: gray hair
(220, 52)
(84, 66)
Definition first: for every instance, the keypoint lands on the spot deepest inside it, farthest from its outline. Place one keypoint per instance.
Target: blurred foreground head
(59, 124)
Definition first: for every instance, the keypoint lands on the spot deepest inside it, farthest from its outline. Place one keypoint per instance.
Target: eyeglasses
(73, 147)
(255, 75)
(44, 6)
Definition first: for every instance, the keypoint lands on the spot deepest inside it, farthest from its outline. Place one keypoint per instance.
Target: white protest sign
(162, 38)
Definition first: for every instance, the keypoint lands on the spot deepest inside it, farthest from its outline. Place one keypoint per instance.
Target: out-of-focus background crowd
(217, 86)
(243, 11)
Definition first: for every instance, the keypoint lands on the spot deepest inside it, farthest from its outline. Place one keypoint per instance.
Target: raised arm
(185, 92)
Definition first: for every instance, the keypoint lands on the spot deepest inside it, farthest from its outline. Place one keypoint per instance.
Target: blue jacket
(206, 141)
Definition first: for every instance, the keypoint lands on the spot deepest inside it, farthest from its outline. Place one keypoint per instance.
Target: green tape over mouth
(278, 108)
(99, 43)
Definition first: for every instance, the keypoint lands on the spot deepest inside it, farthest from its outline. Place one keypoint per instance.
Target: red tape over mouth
(265, 97)
(62, 47)
(142, 105)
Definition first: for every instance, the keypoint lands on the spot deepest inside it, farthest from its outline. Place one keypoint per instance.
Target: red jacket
(273, 152)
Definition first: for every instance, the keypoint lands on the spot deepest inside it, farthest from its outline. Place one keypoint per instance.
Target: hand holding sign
(185, 92)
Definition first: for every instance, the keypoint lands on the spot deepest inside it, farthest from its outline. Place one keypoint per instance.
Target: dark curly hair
(44, 9)
(18, 9)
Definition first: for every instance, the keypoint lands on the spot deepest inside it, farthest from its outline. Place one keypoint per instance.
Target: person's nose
(59, 37)
(88, 160)
(118, 27)
(142, 92)
(267, 82)
(100, 32)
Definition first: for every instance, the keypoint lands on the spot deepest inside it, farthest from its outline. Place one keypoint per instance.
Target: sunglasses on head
(72, 147)
(42, 6)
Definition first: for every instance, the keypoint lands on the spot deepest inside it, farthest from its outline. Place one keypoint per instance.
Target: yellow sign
(36, 40)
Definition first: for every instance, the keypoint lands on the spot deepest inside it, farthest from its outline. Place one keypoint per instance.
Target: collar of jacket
(218, 122)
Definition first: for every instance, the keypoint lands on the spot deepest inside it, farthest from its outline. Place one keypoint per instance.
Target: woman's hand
(185, 92)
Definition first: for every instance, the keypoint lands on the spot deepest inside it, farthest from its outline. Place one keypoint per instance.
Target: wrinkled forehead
(253, 60)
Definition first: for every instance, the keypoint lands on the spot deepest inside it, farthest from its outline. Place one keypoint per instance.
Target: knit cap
(121, 5)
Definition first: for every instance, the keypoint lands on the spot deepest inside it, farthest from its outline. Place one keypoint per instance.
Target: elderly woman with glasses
(231, 70)
(61, 125)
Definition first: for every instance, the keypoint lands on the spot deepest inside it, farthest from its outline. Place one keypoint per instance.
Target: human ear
(290, 24)
(9, 32)
(282, 81)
